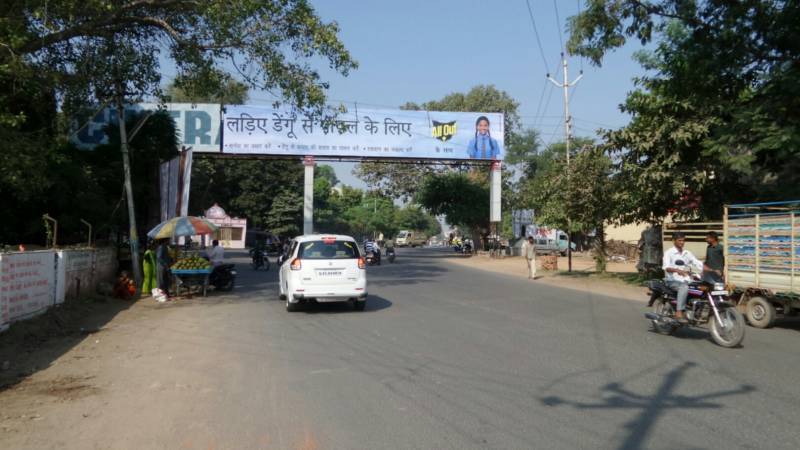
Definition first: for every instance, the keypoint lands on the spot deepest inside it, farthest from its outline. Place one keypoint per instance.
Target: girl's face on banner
(483, 127)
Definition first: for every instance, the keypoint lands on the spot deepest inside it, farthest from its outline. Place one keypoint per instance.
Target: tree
(231, 92)
(326, 172)
(247, 188)
(450, 194)
(717, 117)
(413, 217)
(581, 198)
(284, 218)
(523, 149)
(266, 41)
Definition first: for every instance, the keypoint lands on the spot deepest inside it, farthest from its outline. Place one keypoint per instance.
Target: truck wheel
(760, 312)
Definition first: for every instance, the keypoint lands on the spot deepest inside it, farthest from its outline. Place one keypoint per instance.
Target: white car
(325, 268)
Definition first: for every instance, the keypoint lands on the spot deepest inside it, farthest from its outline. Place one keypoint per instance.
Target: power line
(580, 11)
(558, 26)
(536, 33)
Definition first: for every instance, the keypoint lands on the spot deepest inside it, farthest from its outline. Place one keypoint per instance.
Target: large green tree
(581, 197)
(59, 56)
(451, 194)
(716, 118)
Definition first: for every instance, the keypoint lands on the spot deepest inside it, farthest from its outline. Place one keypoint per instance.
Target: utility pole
(133, 232)
(567, 134)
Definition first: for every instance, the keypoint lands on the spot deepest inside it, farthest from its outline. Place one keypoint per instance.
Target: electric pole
(566, 84)
(133, 232)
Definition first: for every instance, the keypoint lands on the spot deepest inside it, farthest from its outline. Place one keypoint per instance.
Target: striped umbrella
(182, 226)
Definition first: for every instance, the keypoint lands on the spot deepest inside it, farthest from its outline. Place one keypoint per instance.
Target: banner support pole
(308, 195)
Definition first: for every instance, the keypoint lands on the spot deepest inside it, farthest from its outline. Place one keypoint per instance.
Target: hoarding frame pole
(308, 195)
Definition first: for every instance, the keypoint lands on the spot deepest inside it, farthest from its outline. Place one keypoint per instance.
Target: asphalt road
(444, 357)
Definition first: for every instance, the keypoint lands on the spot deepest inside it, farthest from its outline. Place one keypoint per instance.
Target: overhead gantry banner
(363, 133)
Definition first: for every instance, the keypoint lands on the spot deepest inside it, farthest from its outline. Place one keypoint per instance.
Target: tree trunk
(600, 256)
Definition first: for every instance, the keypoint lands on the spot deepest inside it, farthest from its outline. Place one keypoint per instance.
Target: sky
(421, 50)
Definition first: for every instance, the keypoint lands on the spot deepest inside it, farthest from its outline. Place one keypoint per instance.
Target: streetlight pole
(567, 135)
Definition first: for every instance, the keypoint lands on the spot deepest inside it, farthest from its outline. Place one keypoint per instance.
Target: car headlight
(719, 286)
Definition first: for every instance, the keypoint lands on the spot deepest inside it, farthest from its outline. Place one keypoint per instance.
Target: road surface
(444, 357)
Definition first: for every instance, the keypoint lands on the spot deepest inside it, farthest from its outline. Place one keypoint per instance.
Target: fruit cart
(191, 272)
(191, 278)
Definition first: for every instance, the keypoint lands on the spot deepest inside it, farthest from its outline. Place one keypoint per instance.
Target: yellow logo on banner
(444, 130)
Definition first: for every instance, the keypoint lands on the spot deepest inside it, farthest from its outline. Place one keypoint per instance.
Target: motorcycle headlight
(719, 286)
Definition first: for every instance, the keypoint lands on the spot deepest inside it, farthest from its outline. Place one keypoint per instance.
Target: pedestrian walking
(529, 253)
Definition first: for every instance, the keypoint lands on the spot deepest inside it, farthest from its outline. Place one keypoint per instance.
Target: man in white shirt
(677, 276)
(216, 254)
(529, 253)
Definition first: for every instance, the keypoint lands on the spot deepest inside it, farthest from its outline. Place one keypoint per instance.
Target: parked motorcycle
(223, 277)
(706, 303)
(259, 259)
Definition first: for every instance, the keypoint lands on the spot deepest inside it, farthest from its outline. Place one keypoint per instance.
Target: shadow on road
(374, 304)
(32, 345)
(652, 407)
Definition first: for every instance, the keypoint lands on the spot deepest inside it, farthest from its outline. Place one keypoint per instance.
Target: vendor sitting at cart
(216, 254)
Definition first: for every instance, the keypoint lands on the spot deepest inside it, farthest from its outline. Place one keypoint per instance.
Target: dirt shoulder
(620, 281)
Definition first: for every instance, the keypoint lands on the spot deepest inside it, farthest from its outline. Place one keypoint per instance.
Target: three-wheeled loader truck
(762, 259)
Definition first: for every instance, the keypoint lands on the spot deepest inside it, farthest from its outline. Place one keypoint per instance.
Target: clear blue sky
(420, 50)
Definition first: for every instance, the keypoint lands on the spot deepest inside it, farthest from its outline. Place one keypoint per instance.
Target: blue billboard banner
(197, 125)
(364, 133)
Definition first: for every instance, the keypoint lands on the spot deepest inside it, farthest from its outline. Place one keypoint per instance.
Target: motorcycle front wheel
(731, 332)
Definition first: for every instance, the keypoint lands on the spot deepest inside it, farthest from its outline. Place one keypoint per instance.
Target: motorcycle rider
(216, 254)
(372, 246)
(715, 259)
(677, 276)
(389, 244)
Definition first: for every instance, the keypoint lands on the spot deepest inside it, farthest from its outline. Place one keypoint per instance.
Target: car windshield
(328, 250)
(402, 234)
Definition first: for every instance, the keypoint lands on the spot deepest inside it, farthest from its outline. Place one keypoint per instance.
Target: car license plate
(719, 292)
(329, 273)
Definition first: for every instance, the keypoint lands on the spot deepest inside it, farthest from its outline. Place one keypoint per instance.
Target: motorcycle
(259, 259)
(390, 255)
(706, 303)
(223, 277)
(372, 259)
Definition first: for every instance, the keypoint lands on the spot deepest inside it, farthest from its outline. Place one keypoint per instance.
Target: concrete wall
(32, 282)
(625, 233)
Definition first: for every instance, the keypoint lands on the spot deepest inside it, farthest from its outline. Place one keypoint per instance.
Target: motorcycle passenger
(715, 259)
(677, 275)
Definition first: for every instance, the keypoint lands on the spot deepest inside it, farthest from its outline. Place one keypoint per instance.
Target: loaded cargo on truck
(761, 258)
